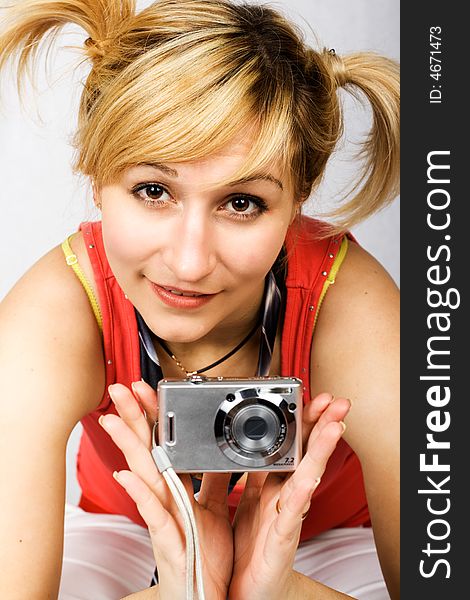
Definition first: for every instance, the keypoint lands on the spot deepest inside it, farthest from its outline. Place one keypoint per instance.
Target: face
(166, 235)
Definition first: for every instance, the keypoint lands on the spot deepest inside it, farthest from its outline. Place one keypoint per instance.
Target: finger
(312, 411)
(130, 411)
(147, 397)
(163, 529)
(313, 464)
(214, 491)
(186, 480)
(138, 457)
(252, 489)
(254, 484)
(250, 502)
(319, 449)
(283, 535)
(336, 411)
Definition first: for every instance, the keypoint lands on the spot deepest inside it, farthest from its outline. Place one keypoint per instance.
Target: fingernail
(316, 483)
(100, 420)
(116, 476)
(319, 403)
(332, 400)
(343, 425)
(134, 388)
(325, 402)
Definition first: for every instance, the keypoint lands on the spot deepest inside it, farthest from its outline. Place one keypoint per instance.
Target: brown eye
(152, 195)
(245, 207)
(240, 204)
(154, 192)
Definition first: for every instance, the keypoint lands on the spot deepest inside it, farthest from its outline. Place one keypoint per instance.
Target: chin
(177, 338)
(178, 330)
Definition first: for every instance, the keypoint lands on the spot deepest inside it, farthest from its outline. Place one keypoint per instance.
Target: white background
(42, 202)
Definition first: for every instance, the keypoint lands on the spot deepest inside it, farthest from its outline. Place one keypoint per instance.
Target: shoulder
(50, 286)
(355, 348)
(49, 332)
(363, 285)
(364, 299)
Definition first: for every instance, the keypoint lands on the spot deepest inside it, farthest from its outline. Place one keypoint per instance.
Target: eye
(245, 207)
(240, 204)
(152, 194)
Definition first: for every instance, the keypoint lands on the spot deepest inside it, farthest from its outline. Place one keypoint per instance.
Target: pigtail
(26, 26)
(377, 77)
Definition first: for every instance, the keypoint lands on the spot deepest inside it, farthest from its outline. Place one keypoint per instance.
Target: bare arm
(51, 375)
(355, 354)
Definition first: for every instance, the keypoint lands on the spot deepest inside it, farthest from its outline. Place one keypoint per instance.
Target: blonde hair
(181, 78)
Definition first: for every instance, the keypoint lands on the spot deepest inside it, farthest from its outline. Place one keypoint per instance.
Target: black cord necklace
(214, 364)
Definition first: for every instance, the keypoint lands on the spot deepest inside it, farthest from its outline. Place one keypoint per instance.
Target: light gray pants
(107, 557)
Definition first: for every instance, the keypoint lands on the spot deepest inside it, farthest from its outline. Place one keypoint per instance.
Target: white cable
(193, 554)
(188, 534)
(197, 552)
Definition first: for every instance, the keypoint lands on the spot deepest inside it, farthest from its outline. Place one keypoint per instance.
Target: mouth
(181, 299)
(186, 293)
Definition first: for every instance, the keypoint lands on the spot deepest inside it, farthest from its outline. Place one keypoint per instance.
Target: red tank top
(339, 501)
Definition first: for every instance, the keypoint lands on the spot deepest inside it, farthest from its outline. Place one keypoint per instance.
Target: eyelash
(153, 204)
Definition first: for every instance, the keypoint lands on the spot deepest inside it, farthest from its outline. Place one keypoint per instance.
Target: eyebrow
(256, 177)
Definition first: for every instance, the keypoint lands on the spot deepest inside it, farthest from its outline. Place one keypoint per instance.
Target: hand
(265, 540)
(146, 486)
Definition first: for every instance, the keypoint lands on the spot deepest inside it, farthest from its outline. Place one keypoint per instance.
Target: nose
(191, 255)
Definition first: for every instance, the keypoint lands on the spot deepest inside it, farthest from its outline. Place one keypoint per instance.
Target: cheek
(123, 240)
(251, 256)
(119, 244)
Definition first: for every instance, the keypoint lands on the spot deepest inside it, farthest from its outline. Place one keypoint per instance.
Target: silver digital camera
(231, 425)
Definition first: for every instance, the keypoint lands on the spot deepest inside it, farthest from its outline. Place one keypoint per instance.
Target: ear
(296, 208)
(96, 196)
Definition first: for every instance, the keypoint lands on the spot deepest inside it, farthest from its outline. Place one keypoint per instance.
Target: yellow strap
(72, 261)
(338, 261)
(330, 279)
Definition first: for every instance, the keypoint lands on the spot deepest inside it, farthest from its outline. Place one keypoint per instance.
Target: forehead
(235, 152)
(221, 166)
(227, 161)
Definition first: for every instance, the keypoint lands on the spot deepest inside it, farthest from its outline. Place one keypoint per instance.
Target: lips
(181, 299)
(187, 293)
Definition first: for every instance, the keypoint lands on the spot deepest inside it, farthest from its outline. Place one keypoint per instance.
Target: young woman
(204, 125)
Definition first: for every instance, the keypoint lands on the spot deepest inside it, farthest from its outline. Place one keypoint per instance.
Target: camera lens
(255, 428)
